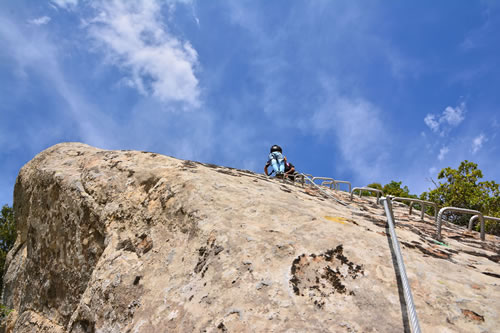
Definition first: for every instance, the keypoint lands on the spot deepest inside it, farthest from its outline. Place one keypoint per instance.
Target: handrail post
(369, 189)
(422, 204)
(337, 186)
(475, 217)
(459, 210)
(422, 209)
(471, 221)
(412, 313)
(322, 191)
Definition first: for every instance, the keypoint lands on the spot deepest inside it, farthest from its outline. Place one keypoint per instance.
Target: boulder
(130, 241)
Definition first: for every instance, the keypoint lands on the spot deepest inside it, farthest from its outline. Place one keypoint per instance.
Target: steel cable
(410, 306)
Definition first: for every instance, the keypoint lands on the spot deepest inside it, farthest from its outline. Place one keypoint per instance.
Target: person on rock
(276, 160)
(280, 165)
(289, 170)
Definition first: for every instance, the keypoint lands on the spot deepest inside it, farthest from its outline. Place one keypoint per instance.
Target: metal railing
(322, 190)
(368, 189)
(422, 203)
(299, 178)
(337, 182)
(458, 210)
(412, 313)
(327, 180)
(304, 175)
(475, 217)
(334, 184)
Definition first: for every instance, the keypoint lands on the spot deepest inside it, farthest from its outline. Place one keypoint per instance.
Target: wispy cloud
(40, 20)
(34, 54)
(478, 37)
(351, 122)
(477, 143)
(454, 116)
(356, 124)
(442, 153)
(451, 117)
(66, 4)
(135, 39)
(431, 122)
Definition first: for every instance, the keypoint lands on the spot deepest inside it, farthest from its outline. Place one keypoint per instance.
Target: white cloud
(432, 171)
(135, 39)
(454, 116)
(442, 153)
(451, 117)
(40, 20)
(35, 54)
(66, 4)
(477, 142)
(495, 123)
(430, 121)
(359, 132)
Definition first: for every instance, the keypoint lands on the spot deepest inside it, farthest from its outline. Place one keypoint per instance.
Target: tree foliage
(377, 186)
(7, 237)
(393, 188)
(462, 188)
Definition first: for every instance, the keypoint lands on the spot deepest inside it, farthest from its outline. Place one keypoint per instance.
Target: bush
(7, 237)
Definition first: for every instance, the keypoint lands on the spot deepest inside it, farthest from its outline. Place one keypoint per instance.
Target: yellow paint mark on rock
(337, 219)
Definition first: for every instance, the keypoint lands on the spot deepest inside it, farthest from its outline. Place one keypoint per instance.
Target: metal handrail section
(337, 182)
(458, 210)
(328, 179)
(306, 175)
(423, 203)
(368, 189)
(475, 217)
(307, 178)
(328, 182)
(323, 191)
(421, 211)
(412, 313)
(334, 184)
(299, 178)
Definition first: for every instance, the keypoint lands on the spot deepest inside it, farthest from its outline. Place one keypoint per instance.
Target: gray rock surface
(128, 241)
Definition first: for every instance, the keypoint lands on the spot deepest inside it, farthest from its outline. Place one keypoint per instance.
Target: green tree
(7, 237)
(461, 188)
(394, 188)
(377, 186)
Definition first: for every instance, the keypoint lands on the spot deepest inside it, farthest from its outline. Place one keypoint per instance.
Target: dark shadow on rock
(402, 301)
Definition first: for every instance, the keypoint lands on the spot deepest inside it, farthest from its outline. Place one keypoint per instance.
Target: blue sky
(362, 91)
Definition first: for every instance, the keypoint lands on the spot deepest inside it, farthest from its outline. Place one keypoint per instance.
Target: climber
(289, 170)
(280, 165)
(276, 160)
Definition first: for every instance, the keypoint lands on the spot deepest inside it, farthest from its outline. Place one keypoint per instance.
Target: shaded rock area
(129, 241)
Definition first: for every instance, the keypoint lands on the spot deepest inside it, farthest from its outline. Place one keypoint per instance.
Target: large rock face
(127, 241)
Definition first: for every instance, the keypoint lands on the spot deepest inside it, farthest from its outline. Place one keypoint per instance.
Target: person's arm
(265, 169)
(292, 170)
